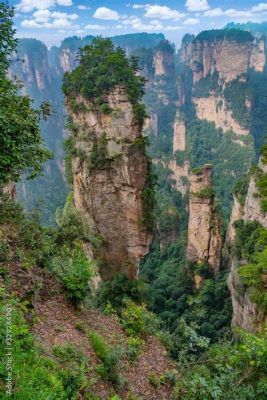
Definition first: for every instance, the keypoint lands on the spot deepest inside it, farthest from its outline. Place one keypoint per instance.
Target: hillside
(143, 274)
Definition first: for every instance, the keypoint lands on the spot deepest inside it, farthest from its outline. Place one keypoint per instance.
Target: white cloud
(30, 23)
(197, 5)
(136, 24)
(172, 28)
(83, 8)
(237, 13)
(259, 7)
(191, 21)
(139, 6)
(216, 12)
(31, 5)
(80, 31)
(58, 23)
(106, 14)
(64, 2)
(42, 15)
(253, 12)
(95, 27)
(162, 12)
(57, 14)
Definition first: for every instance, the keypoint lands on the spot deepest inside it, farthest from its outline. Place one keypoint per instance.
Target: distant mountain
(41, 71)
(253, 27)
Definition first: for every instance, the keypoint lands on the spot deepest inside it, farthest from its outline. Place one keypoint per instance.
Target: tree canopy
(22, 147)
(102, 67)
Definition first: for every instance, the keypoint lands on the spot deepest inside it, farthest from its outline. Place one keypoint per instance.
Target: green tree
(22, 148)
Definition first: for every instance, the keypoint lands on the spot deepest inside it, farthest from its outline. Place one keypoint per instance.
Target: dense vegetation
(102, 67)
(236, 35)
(21, 142)
(37, 264)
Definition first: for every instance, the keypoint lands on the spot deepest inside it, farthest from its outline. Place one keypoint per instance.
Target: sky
(53, 20)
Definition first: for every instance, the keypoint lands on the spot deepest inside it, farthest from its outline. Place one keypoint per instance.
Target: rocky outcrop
(178, 133)
(218, 51)
(109, 176)
(252, 208)
(10, 190)
(246, 314)
(151, 125)
(215, 109)
(67, 60)
(163, 59)
(204, 238)
(258, 56)
(180, 174)
(237, 214)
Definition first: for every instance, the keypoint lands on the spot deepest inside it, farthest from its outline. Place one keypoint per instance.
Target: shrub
(116, 291)
(135, 344)
(137, 321)
(74, 270)
(109, 357)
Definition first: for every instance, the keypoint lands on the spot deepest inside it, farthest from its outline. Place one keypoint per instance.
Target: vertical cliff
(111, 182)
(163, 59)
(247, 314)
(204, 238)
(227, 52)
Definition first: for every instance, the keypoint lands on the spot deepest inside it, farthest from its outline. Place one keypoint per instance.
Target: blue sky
(52, 20)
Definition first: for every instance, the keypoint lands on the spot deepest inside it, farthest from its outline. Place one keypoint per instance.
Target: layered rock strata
(246, 314)
(204, 238)
(109, 176)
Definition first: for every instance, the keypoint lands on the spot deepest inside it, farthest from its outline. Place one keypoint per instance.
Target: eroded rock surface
(204, 238)
(108, 190)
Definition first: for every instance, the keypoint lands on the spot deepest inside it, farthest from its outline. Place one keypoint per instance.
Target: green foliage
(28, 243)
(253, 276)
(98, 156)
(206, 144)
(34, 375)
(251, 238)
(21, 142)
(135, 345)
(137, 321)
(74, 270)
(109, 356)
(149, 197)
(8, 43)
(116, 291)
(251, 246)
(236, 35)
(204, 193)
(236, 94)
(261, 180)
(102, 68)
(240, 189)
(232, 371)
(204, 87)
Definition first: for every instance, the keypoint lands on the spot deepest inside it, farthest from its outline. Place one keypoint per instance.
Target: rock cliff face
(215, 109)
(224, 54)
(67, 60)
(252, 208)
(10, 190)
(180, 174)
(178, 133)
(245, 313)
(204, 239)
(163, 61)
(109, 189)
